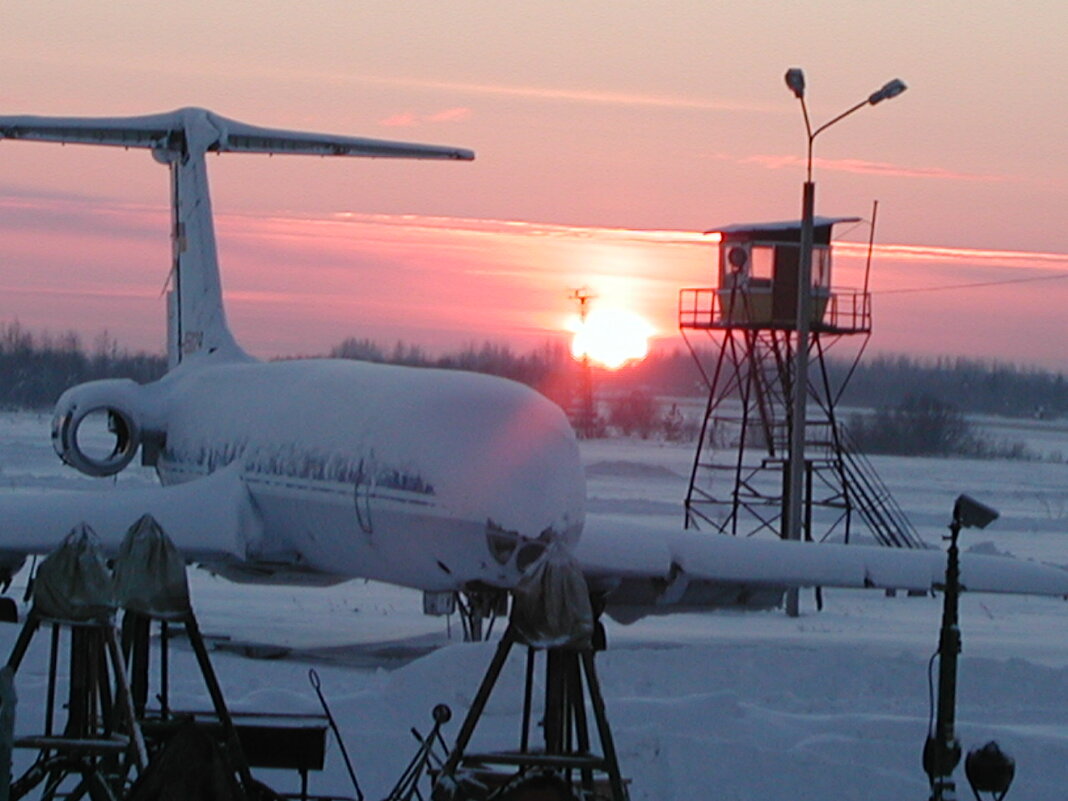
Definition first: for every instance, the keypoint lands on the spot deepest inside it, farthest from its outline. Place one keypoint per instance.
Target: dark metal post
(611, 761)
(528, 701)
(794, 513)
(587, 427)
(555, 723)
(164, 670)
(942, 753)
(234, 752)
(500, 656)
(8, 701)
(53, 668)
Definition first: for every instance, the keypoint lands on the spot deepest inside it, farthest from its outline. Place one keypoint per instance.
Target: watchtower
(747, 356)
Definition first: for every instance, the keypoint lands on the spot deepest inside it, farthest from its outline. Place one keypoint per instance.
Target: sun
(611, 337)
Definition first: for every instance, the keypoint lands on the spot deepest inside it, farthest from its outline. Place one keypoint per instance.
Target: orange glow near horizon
(298, 285)
(610, 338)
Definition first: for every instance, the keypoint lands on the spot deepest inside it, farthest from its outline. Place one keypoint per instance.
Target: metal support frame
(736, 482)
(570, 682)
(739, 481)
(101, 743)
(107, 736)
(479, 608)
(136, 630)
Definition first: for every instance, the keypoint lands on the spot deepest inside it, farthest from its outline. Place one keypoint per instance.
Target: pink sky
(608, 135)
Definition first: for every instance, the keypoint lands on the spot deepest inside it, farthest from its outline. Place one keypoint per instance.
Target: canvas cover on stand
(73, 582)
(150, 573)
(551, 605)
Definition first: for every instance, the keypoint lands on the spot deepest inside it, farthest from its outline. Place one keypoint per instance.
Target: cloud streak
(561, 95)
(410, 119)
(961, 256)
(860, 166)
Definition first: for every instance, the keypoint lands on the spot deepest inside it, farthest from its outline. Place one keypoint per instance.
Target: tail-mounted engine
(98, 426)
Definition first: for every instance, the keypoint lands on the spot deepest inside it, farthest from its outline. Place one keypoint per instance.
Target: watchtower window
(761, 265)
(821, 267)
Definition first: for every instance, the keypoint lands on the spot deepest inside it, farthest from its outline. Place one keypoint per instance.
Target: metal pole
(8, 701)
(316, 683)
(944, 752)
(793, 500)
(794, 518)
(588, 415)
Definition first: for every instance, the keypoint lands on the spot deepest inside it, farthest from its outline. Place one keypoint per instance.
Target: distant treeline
(973, 386)
(35, 368)
(533, 368)
(922, 425)
(549, 368)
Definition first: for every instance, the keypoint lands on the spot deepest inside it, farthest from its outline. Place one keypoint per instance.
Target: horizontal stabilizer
(210, 518)
(200, 129)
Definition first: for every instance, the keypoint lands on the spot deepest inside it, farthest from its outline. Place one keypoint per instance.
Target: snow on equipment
(101, 745)
(112, 744)
(552, 613)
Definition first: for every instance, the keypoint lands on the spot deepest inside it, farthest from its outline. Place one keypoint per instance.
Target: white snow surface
(729, 705)
(778, 225)
(491, 448)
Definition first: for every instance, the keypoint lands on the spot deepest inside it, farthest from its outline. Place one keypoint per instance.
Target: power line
(977, 284)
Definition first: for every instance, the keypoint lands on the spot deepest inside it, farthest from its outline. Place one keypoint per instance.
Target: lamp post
(793, 513)
(941, 751)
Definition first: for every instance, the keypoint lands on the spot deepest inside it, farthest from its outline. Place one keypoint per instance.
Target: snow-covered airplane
(315, 471)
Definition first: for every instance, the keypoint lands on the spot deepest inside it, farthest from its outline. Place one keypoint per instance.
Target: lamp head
(989, 769)
(889, 90)
(970, 513)
(795, 79)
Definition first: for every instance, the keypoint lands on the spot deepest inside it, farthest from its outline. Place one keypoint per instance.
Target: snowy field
(832, 705)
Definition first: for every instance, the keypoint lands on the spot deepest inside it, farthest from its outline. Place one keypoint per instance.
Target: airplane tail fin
(196, 319)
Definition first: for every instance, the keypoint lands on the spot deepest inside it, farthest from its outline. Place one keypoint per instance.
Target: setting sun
(610, 337)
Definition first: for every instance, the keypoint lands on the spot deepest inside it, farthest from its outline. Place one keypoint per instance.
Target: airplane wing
(659, 568)
(214, 133)
(209, 518)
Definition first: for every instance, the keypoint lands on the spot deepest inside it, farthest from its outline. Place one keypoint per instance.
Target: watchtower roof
(783, 231)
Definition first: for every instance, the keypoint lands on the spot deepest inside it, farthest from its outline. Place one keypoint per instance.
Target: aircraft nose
(518, 471)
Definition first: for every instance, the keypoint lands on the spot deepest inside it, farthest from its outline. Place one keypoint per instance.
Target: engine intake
(110, 440)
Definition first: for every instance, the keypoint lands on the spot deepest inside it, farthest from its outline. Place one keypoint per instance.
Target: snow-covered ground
(730, 705)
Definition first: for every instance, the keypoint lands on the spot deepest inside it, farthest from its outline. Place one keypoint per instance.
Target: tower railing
(842, 310)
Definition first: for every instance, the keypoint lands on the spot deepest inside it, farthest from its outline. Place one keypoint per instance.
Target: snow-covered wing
(209, 518)
(623, 547)
(212, 133)
(239, 137)
(148, 131)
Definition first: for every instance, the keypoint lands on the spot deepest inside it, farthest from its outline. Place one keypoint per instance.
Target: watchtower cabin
(758, 280)
(743, 336)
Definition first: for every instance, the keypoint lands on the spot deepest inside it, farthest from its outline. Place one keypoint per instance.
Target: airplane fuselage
(429, 478)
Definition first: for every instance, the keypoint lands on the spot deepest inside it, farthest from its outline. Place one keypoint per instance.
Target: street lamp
(794, 505)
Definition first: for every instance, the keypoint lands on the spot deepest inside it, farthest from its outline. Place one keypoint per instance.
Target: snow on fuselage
(429, 478)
